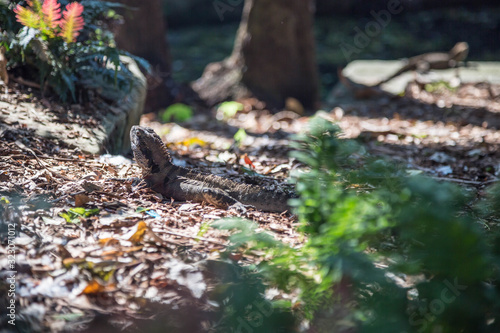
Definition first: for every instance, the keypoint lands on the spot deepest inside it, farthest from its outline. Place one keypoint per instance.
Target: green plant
(411, 254)
(74, 214)
(178, 112)
(439, 87)
(239, 137)
(69, 51)
(227, 110)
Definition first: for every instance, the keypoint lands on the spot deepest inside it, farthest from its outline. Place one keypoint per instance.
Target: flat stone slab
(369, 72)
(108, 131)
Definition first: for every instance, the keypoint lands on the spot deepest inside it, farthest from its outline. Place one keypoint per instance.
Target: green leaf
(203, 229)
(70, 84)
(74, 214)
(178, 112)
(439, 86)
(68, 317)
(239, 137)
(250, 172)
(229, 109)
(234, 223)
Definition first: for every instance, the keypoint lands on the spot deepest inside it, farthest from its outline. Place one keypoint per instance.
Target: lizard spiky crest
(149, 151)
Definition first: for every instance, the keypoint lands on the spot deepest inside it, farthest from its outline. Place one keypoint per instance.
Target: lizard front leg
(188, 189)
(222, 199)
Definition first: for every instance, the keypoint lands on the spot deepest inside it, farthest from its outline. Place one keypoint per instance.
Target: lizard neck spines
(149, 150)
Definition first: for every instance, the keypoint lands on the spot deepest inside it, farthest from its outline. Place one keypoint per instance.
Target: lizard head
(149, 151)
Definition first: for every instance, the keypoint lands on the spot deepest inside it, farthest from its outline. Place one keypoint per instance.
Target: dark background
(198, 36)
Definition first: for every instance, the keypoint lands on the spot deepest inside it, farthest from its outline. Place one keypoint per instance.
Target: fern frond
(72, 22)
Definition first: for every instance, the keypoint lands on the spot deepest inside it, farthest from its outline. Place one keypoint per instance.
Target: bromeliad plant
(46, 18)
(66, 46)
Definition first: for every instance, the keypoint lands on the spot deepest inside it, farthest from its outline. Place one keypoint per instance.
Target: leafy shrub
(414, 255)
(69, 51)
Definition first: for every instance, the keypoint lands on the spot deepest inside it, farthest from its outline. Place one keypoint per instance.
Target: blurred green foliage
(417, 255)
(239, 137)
(177, 112)
(439, 86)
(227, 110)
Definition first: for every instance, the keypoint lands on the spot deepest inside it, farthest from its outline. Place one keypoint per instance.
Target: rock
(109, 134)
(126, 114)
(369, 72)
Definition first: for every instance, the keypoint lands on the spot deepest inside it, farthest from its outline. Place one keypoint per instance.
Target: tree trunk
(273, 57)
(144, 34)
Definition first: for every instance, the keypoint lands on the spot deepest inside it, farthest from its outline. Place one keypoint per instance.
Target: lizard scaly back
(185, 184)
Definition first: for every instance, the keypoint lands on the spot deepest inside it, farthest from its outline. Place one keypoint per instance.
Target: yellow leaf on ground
(108, 241)
(73, 261)
(137, 233)
(192, 141)
(95, 287)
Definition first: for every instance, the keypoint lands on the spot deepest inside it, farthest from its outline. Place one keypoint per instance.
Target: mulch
(139, 250)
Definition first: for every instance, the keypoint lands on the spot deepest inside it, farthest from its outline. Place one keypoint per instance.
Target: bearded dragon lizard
(184, 184)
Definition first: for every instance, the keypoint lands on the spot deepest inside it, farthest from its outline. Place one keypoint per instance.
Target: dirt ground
(129, 249)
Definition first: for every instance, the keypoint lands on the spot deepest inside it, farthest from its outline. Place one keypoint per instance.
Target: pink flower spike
(72, 22)
(51, 10)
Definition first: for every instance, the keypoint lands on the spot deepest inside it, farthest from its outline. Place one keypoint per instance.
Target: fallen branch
(22, 81)
(464, 181)
(53, 173)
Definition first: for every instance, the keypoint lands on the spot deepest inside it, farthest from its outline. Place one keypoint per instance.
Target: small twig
(31, 84)
(22, 146)
(67, 195)
(455, 180)
(162, 241)
(108, 194)
(464, 181)
(61, 159)
(192, 237)
(45, 157)
(82, 192)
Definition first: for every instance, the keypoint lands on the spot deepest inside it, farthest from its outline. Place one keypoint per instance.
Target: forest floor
(88, 243)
